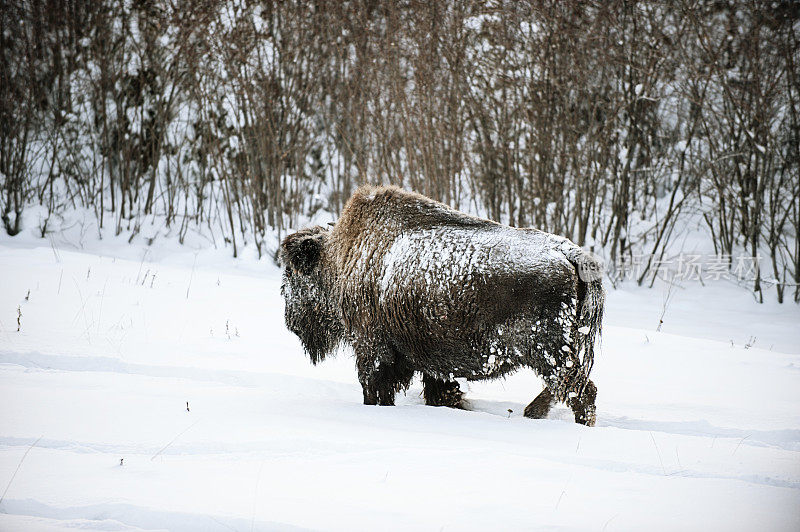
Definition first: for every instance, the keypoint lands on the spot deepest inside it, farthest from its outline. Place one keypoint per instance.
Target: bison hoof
(540, 407)
(584, 407)
(586, 418)
(441, 393)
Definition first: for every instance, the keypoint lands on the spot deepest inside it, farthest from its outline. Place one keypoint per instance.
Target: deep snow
(695, 429)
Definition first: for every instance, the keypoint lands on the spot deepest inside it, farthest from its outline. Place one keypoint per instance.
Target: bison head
(312, 312)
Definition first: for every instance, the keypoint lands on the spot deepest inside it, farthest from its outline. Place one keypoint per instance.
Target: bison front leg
(583, 405)
(440, 392)
(382, 373)
(540, 407)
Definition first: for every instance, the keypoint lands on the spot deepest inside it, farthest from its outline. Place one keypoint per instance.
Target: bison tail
(591, 297)
(590, 322)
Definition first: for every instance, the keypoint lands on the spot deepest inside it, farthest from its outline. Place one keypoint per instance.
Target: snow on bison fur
(415, 286)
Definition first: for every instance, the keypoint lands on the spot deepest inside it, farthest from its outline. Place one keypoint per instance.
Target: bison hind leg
(540, 407)
(439, 392)
(583, 405)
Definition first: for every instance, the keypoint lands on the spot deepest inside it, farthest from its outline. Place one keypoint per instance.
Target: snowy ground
(695, 430)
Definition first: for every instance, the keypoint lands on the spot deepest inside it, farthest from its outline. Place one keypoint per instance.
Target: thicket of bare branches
(612, 123)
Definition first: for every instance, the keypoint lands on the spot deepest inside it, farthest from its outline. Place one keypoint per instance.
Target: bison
(416, 286)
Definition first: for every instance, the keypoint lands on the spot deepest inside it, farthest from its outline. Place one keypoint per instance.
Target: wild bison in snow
(415, 286)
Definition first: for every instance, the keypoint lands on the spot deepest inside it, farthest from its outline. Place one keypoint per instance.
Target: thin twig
(173, 440)
(191, 276)
(559, 499)
(739, 444)
(55, 252)
(607, 522)
(664, 469)
(144, 256)
(667, 297)
(255, 496)
(18, 466)
(102, 296)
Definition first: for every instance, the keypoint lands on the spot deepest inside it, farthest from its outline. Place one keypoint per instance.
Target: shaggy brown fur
(415, 286)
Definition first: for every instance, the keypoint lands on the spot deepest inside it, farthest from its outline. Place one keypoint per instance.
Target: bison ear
(301, 250)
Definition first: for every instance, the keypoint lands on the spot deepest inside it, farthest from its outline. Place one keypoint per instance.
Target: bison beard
(415, 286)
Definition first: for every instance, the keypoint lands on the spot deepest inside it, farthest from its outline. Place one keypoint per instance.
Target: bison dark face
(311, 311)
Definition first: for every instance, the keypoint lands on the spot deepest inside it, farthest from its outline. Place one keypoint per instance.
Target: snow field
(695, 430)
